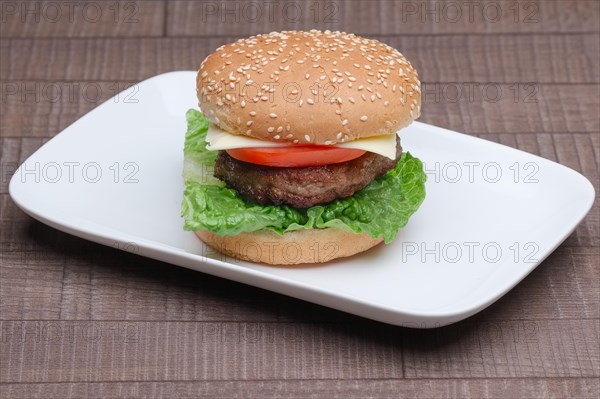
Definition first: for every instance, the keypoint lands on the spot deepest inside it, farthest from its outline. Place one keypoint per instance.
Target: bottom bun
(294, 247)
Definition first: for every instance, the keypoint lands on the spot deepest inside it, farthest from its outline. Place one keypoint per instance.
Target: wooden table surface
(83, 320)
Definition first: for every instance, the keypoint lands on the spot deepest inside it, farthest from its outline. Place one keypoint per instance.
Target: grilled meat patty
(302, 187)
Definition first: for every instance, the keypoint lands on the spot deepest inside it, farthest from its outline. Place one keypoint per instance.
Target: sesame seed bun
(308, 87)
(294, 247)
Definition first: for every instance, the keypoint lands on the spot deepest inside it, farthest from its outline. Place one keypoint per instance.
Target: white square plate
(491, 215)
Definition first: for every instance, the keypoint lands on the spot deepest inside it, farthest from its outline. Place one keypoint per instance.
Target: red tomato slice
(295, 156)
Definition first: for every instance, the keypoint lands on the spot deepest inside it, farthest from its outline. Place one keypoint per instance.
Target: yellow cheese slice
(219, 139)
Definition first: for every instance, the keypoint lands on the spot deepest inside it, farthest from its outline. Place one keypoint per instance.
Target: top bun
(308, 87)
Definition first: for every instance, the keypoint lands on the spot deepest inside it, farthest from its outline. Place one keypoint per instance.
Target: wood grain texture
(207, 18)
(82, 320)
(109, 351)
(461, 58)
(95, 351)
(501, 388)
(87, 18)
(527, 349)
(519, 108)
(32, 107)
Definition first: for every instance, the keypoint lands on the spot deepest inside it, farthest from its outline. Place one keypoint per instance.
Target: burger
(294, 156)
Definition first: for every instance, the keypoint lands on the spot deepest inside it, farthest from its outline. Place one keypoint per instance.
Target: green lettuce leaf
(198, 163)
(380, 209)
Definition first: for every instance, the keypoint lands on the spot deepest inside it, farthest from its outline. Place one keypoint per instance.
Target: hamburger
(294, 156)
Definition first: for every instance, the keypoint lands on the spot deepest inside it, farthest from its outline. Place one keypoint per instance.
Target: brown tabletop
(83, 320)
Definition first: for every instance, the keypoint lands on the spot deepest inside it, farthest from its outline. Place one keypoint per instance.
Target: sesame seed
(307, 137)
(249, 123)
(344, 122)
(248, 132)
(252, 113)
(243, 104)
(277, 137)
(339, 135)
(364, 118)
(328, 142)
(280, 129)
(310, 101)
(352, 79)
(271, 129)
(351, 99)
